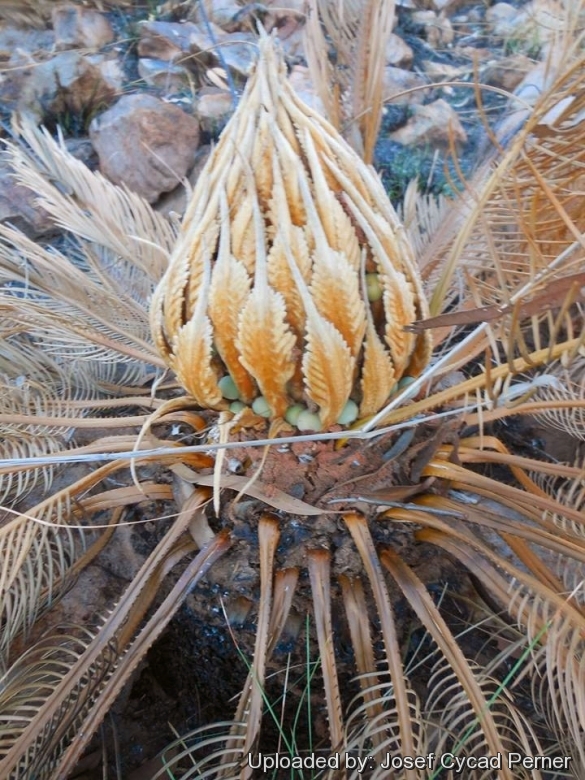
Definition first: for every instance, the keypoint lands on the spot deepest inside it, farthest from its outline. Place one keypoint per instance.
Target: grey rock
(145, 143)
(15, 39)
(79, 27)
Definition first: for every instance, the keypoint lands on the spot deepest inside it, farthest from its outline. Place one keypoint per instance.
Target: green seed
(237, 406)
(349, 413)
(405, 381)
(228, 388)
(373, 287)
(260, 407)
(308, 421)
(292, 413)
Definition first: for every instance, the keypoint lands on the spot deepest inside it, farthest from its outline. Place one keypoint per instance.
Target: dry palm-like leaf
(515, 237)
(92, 208)
(52, 733)
(318, 221)
(35, 12)
(74, 323)
(345, 45)
(565, 396)
(32, 387)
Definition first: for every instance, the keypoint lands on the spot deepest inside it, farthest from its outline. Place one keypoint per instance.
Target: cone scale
(292, 278)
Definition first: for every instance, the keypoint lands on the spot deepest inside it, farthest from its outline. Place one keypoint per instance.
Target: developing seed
(292, 413)
(373, 287)
(308, 421)
(260, 407)
(228, 388)
(237, 406)
(405, 381)
(349, 413)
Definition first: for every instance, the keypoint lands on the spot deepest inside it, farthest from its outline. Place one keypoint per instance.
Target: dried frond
(46, 292)
(458, 727)
(33, 12)
(32, 387)
(54, 734)
(88, 205)
(278, 217)
(565, 397)
(516, 233)
(355, 32)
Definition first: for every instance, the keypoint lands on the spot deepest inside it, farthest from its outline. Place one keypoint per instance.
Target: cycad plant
(370, 491)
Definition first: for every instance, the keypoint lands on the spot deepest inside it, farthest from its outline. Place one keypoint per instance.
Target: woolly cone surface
(292, 275)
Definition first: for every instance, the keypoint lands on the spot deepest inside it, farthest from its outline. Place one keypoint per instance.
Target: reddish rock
(437, 28)
(167, 41)
(79, 27)
(214, 108)
(18, 205)
(508, 72)
(398, 82)
(398, 52)
(198, 46)
(145, 143)
(166, 76)
(110, 68)
(66, 87)
(435, 124)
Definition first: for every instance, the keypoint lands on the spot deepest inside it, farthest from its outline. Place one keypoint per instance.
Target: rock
(166, 76)
(79, 27)
(437, 28)
(508, 72)
(434, 124)
(145, 143)
(166, 41)
(475, 53)
(289, 24)
(18, 205)
(82, 149)
(214, 108)
(531, 27)
(447, 5)
(225, 14)
(442, 71)
(398, 52)
(14, 77)
(66, 88)
(397, 82)
(296, 6)
(236, 51)
(173, 204)
(300, 80)
(198, 45)
(110, 68)
(502, 19)
(15, 40)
